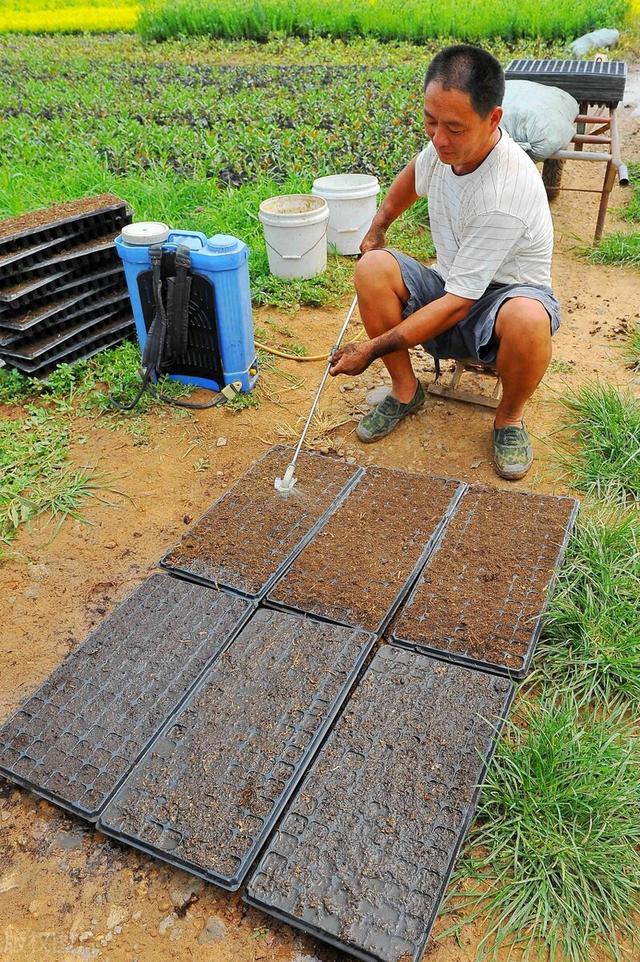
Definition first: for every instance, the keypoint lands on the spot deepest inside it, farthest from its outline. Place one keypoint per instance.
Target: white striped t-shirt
(490, 226)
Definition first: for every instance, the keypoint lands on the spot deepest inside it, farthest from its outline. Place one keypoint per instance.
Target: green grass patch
(601, 452)
(552, 865)
(415, 20)
(631, 348)
(631, 210)
(35, 477)
(590, 644)
(617, 249)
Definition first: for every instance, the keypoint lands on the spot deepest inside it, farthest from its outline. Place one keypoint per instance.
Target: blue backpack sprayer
(192, 310)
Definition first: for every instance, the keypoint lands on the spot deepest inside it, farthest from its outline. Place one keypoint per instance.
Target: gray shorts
(473, 336)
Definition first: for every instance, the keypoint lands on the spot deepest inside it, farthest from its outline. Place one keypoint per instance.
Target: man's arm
(424, 324)
(402, 194)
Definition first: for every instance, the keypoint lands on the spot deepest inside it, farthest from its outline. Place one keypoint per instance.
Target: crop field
(205, 112)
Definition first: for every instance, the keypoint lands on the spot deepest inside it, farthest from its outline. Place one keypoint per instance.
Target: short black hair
(471, 70)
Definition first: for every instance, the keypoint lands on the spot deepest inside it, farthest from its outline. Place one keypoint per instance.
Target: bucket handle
(296, 257)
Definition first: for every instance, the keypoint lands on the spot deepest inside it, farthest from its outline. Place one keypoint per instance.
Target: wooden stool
(451, 390)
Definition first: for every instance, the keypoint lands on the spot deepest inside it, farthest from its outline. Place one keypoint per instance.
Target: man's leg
(524, 350)
(382, 295)
(523, 332)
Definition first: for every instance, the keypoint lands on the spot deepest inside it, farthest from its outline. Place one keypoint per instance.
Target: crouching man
(489, 295)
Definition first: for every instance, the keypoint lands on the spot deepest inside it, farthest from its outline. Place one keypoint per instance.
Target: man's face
(460, 136)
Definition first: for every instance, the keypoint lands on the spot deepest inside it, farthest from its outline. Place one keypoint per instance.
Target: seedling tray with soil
(92, 215)
(481, 597)
(55, 313)
(251, 534)
(77, 737)
(209, 790)
(365, 850)
(357, 570)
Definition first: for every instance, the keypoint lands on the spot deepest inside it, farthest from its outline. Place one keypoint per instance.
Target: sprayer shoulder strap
(178, 294)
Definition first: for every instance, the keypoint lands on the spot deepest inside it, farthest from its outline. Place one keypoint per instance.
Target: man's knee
(378, 270)
(523, 318)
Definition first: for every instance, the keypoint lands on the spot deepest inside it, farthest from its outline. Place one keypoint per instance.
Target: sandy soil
(66, 892)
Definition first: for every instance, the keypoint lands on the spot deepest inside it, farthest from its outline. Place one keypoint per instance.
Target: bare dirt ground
(67, 893)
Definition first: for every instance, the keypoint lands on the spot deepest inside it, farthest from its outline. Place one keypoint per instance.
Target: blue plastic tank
(221, 347)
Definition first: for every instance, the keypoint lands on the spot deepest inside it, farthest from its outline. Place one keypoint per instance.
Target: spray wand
(284, 485)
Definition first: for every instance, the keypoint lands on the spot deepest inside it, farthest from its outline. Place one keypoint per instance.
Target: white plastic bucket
(295, 232)
(352, 200)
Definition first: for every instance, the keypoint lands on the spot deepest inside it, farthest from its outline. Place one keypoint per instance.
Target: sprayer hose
(299, 357)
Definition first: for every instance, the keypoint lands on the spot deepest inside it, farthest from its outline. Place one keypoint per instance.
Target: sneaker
(512, 452)
(387, 415)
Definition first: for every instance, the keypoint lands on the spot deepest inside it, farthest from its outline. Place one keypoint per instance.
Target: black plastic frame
(233, 883)
(488, 666)
(322, 936)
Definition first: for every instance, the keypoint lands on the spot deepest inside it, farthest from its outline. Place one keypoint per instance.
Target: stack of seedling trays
(590, 81)
(306, 701)
(63, 295)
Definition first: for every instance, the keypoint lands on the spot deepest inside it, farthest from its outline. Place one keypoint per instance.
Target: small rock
(167, 922)
(85, 936)
(187, 519)
(110, 544)
(220, 443)
(117, 916)
(347, 386)
(214, 931)
(164, 904)
(34, 907)
(476, 463)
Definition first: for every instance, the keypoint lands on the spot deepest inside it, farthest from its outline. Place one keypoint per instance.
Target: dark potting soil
(355, 568)
(363, 854)
(83, 729)
(251, 531)
(208, 791)
(481, 596)
(50, 216)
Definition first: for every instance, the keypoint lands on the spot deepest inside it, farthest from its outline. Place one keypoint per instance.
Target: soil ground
(66, 892)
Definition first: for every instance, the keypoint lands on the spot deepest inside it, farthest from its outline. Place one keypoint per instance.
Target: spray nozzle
(284, 485)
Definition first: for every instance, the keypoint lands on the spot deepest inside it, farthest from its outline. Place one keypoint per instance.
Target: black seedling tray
(207, 793)
(363, 856)
(87, 250)
(110, 216)
(110, 323)
(515, 630)
(253, 514)
(74, 279)
(335, 562)
(11, 264)
(601, 82)
(106, 308)
(79, 735)
(54, 313)
(84, 346)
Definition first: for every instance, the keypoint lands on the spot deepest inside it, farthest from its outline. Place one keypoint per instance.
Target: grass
(416, 20)
(35, 478)
(623, 248)
(601, 452)
(590, 643)
(553, 863)
(631, 348)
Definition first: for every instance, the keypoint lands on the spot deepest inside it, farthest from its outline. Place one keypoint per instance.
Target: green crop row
(415, 20)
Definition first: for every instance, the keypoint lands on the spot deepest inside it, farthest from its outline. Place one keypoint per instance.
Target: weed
(602, 450)
(558, 830)
(590, 643)
(631, 348)
(617, 249)
(243, 401)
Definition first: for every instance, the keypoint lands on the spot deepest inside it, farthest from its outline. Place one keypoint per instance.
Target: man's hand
(373, 240)
(351, 359)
